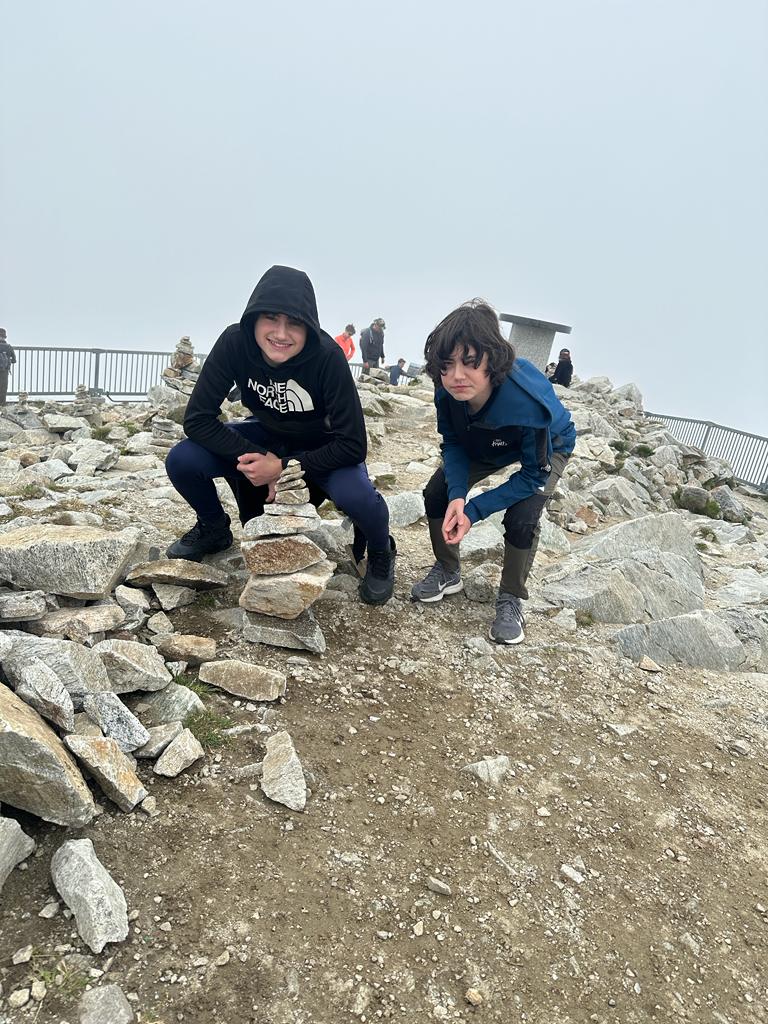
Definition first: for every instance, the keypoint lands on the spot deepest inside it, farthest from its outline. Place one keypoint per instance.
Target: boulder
(106, 1004)
(95, 899)
(109, 766)
(36, 772)
(177, 572)
(75, 561)
(40, 688)
(79, 669)
(185, 647)
(664, 532)
(700, 639)
(115, 720)
(174, 703)
(132, 666)
(181, 753)
(405, 508)
(242, 679)
(15, 846)
(21, 605)
(282, 777)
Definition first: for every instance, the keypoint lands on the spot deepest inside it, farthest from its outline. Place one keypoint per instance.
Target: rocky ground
(571, 830)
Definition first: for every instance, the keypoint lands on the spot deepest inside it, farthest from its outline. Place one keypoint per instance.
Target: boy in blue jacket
(493, 410)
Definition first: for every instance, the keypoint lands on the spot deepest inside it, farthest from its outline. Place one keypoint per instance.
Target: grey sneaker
(508, 625)
(438, 582)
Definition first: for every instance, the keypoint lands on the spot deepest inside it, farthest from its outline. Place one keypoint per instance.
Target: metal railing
(45, 372)
(746, 454)
(56, 372)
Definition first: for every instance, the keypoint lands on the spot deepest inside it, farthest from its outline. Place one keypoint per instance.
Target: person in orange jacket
(345, 342)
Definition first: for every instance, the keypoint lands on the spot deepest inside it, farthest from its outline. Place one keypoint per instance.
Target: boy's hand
(455, 524)
(261, 470)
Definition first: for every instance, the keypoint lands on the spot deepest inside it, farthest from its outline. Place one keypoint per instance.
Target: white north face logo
(283, 396)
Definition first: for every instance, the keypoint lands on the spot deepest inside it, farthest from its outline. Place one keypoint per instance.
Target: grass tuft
(208, 727)
(193, 683)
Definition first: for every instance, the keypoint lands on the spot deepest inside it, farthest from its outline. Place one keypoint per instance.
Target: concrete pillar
(533, 338)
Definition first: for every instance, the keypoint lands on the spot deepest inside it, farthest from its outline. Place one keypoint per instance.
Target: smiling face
(279, 337)
(464, 381)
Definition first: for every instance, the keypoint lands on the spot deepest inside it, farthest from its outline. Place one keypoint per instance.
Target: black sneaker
(203, 539)
(379, 580)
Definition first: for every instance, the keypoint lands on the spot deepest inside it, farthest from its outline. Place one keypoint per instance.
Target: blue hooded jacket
(523, 421)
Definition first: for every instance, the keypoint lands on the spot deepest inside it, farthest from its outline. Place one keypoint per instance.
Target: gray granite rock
(41, 688)
(21, 605)
(282, 777)
(79, 624)
(106, 1004)
(405, 508)
(490, 770)
(700, 639)
(242, 679)
(185, 647)
(112, 770)
(173, 703)
(36, 772)
(115, 720)
(302, 633)
(79, 669)
(665, 532)
(287, 595)
(159, 738)
(182, 752)
(173, 597)
(95, 899)
(132, 666)
(177, 572)
(15, 846)
(76, 561)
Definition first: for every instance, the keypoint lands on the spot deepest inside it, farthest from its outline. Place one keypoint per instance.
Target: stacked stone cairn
(288, 570)
(184, 369)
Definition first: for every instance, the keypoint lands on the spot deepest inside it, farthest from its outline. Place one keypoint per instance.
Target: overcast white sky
(601, 163)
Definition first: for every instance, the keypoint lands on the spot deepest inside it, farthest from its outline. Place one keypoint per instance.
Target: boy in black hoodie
(295, 380)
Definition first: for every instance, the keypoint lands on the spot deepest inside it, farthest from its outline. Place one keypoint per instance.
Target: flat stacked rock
(288, 570)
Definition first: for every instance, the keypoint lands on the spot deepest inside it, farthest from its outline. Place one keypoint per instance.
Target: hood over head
(289, 291)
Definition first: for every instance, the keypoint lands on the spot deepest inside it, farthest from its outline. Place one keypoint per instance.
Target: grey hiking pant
(521, 524)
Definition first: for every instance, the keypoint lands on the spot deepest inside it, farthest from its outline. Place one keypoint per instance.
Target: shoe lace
(436, 574)
(193, 534)
(379, 563)
(508, 609)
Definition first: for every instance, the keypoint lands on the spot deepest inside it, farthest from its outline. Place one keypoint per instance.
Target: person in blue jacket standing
(493, 411)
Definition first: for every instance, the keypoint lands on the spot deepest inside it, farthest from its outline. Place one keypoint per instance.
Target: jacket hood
(289, 291)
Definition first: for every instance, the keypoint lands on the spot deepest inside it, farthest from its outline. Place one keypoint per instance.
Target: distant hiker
(345, 342)
(305, 406)
(372, 344)
(563, 371)
(493, 410)
(7, 359)
(396, 372)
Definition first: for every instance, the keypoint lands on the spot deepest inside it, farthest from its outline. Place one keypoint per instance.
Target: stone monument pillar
(533, 338)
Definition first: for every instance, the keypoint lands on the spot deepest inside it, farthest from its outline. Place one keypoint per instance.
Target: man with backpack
(372, 345)
(7, 359)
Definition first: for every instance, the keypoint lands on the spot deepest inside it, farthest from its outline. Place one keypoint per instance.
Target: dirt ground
(247, 912)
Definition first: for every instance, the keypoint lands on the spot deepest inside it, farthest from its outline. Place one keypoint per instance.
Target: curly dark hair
(474, 325)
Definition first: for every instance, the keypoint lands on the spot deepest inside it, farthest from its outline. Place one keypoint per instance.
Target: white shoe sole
(454, 588)
(517, 640)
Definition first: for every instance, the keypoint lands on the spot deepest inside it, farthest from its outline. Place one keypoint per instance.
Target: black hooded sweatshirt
(309, 403)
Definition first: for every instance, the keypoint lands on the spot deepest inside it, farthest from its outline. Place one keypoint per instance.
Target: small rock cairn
(184, 369)
(288, 570)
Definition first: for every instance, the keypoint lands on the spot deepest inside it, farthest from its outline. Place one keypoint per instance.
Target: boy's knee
(521, 520)
(436, 496)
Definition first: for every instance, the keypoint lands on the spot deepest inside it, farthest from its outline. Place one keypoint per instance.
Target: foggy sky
(600, 163)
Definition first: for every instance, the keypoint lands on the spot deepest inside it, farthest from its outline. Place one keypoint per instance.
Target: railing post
(704, 439)
(96, 384)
